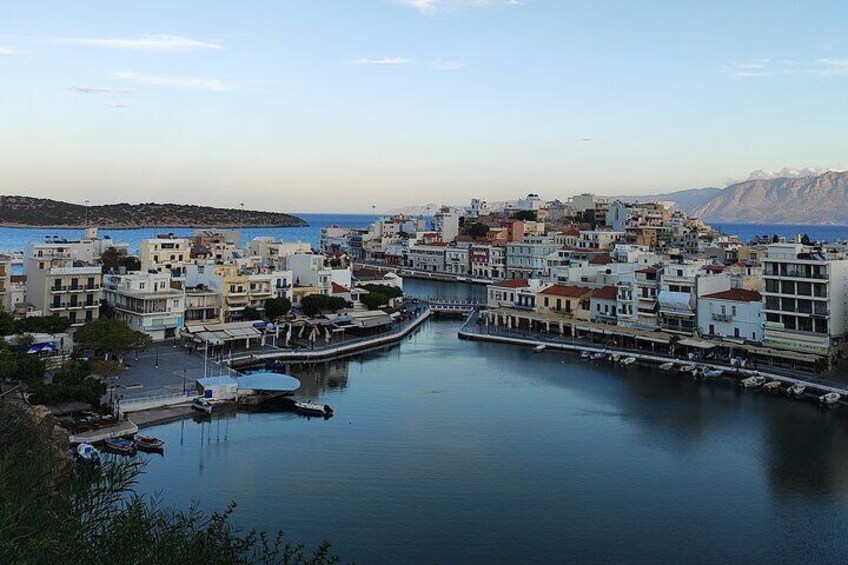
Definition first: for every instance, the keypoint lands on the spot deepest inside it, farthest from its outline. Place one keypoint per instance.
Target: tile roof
(513, 283)
(606, 293)
(600, 260)
(567, 291)
(339, 289)
(737, 294)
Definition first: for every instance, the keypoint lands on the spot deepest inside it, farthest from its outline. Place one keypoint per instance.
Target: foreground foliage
(52, 511)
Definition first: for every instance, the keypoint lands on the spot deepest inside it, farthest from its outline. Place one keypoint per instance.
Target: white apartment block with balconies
(146, 302)
(165, 254)
(57, 285)
(806, 298)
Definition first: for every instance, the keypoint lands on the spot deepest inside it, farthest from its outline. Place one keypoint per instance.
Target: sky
(341, 105)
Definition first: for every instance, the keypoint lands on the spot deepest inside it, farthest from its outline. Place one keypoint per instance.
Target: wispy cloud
(766, 67)
(438, 6)
(7, 50)
(120, 106)
(435, 64)
(179, 82)
(161, 43)
(92, 90)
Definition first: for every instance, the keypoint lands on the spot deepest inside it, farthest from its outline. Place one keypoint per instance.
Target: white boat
(201, 405)
(88, 452)
(540, 348)
(615, 357)
(687, 368)
(796, 391)
(585, 354)
(312, 409)
(753, 382)
(713, 373)
(830, 398)
(772, 386)
(667, 366)
(598, 356)
(628, 361)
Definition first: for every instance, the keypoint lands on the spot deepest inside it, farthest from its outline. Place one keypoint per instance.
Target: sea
(459, 452)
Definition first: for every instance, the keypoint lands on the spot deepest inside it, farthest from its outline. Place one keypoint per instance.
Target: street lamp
(184, 381)
(157, 357)
(86, 213)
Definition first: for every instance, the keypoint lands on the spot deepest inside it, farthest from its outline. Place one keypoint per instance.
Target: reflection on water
(465, 452)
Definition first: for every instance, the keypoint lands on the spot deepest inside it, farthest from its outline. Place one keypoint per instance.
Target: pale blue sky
(334, 105)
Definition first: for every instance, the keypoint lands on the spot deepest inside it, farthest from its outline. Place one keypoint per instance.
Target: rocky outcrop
(18, 211)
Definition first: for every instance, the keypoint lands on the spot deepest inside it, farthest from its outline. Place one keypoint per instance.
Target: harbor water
(451, 451)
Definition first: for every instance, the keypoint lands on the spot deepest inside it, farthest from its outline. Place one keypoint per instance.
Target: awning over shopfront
(699, 343)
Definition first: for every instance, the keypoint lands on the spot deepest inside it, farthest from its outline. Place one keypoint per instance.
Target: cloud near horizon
(159, 43)
(178, 82)
(92, 90)
(435, 64)
(437, 6)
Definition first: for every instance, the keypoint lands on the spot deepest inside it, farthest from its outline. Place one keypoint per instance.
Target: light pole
(241, 215)
(86, 213)
(157, 356)
(184, 381)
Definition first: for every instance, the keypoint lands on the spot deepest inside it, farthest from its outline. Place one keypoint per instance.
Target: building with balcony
(646, 288)
(805, 304)
(567, 300)
(165, 253)
(429, 257)
(603, 305)
(529, 259)
(56, 284)
(5, 282)
(202, 304)
(736, 313)
(87, 249)
(680, 286)
(146, 302)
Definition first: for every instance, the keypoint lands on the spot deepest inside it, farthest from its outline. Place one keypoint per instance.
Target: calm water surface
(463, 452)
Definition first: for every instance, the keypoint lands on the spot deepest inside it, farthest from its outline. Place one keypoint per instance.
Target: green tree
(385, 290)
(805, 239)
(111, 338)
(42, 324)
(251, 313)
(277, 307)
(106, 310)
(314, 304)
(111, 259)
(477, 230)
(374, 300)
(7, 323)
(526, 215)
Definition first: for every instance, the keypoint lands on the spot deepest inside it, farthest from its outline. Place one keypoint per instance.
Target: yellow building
(566, 300)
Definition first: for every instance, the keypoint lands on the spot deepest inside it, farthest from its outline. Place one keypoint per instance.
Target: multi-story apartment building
(146, 302)
(165, 253)
(457, 260)
(202, 304)
(312, 270)
(238, 288)
(646, 288)
(275, 254)
(488, 260)
(56, 284)
(87, 249)
(805, 298)
(529, 259)
(680, 286)
(446, 222)
(599, 239)
(735, 313)
(427, 257)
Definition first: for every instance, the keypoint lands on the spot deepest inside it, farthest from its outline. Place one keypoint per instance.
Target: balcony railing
(722, 317)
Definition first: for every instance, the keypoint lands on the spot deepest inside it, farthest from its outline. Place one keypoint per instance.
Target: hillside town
(595, 266)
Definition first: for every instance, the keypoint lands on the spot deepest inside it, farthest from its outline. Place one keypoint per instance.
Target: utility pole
(86, 213)
(241, 215)
(157, 356)
(184, 381)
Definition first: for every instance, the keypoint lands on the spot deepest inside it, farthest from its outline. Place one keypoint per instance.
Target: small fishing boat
(796, 391)
(598, 356)
(88, 453)
(686, 369)
(667, 367)
(753, 382)
(147, 443)
(628, 361)
(713, 373)
(540, 348)
(585, 354)
(772, 386)
(201, 405)
(829, 399)
(615, 357)
(311, 409)
(120, 446)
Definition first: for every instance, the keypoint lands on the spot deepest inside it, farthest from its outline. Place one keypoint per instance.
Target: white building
(446, 222)
(165, 253)
(146, 302)
(603, 305)
(529, 259)
(805, 298)
(427, 257)
(476, 208)
(87, 249)
(54, 285)
(735, 313)
(311, 270)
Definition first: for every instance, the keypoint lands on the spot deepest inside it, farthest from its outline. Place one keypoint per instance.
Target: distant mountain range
(25, 211)
(817, 199)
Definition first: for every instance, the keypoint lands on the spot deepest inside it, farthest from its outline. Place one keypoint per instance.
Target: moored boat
(830, 399)
(615, 357)
(753, 382)
(120, 446)
(88, 453)
(796, 390)
(772, 386)
(311, 409)
(201, 405)
(667, 367)
(686, 369)
(585, 354)
(598, 356)
(147, 443)
(540, 348)
(713, 373)
(628, 361)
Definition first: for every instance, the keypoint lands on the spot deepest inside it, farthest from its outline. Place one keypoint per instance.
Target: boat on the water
(598, 356)
(713, 373)
(686, 369)
(120, 446)
(88, 453)
(540, 348)
(830, 398)
(753, 382)
(148, 443)
(312, 409)
(772, 386)
(615, 357)
(628, 361)
(667, 367)
(796, 390)
(585, 354)
(201, 405)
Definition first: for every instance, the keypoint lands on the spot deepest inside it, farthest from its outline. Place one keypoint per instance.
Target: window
(735, 332)
(733, 310)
